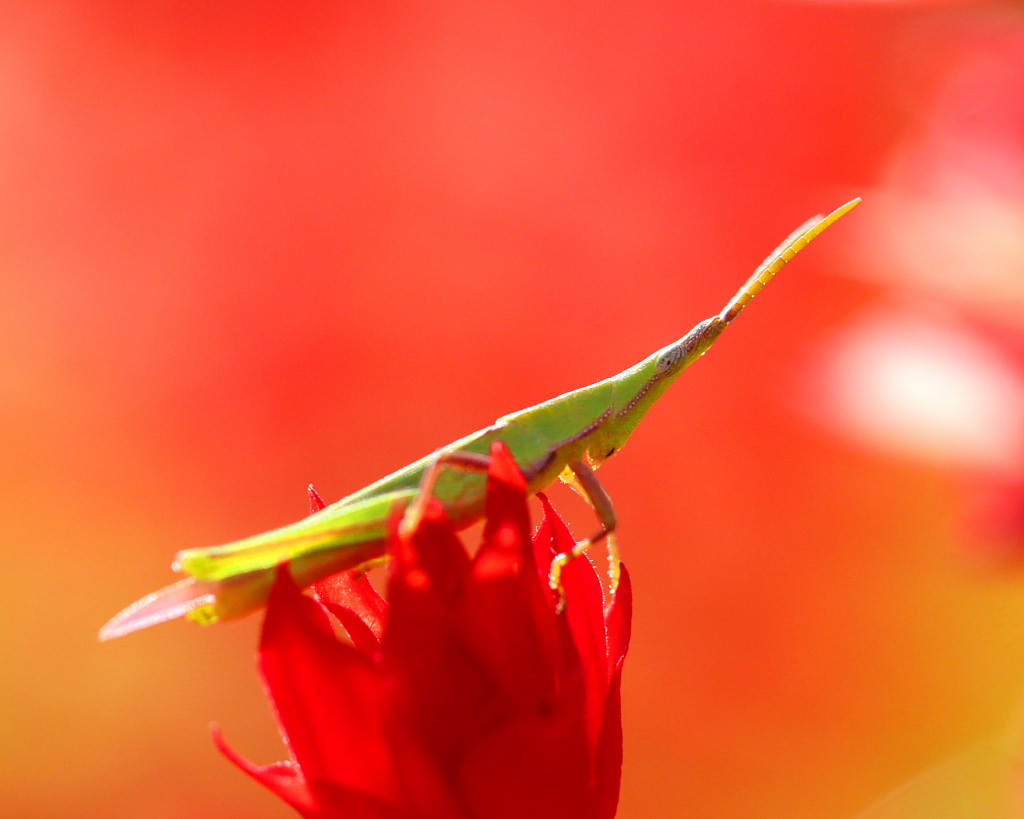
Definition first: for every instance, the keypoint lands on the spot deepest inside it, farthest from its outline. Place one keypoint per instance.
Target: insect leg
(458, 459)
(599, 498)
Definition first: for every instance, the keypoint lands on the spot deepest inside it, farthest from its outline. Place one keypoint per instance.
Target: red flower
(464, 695)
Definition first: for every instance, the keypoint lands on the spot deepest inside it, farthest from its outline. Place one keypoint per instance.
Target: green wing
(336, 527)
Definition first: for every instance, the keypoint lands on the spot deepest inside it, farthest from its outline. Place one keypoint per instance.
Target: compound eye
(670, 359)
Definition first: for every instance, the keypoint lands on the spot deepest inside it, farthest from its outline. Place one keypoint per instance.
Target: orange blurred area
(249, 246)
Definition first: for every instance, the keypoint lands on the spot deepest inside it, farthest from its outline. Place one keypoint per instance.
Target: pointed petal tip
(217, 735)
(316, 501)
(282, 778)
(504, 467)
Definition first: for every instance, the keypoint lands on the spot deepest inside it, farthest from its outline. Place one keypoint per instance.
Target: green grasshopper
(567, 437)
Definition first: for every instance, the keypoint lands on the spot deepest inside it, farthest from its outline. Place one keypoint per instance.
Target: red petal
(584, 612)
(316, 503)
(506, 614)
(434, 556)
(620, 619)
(362, 637)
(333, 802)
(283, 778)
(608, 757)
(438, 687)
(328, 696)
(313, 800)
(530, 766)
(351, 598)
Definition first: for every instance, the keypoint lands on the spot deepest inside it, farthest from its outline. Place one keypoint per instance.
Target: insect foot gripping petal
(560, 561)
(614, 562)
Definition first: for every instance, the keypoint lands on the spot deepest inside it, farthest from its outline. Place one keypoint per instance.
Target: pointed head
(670, 361)
(636, 389)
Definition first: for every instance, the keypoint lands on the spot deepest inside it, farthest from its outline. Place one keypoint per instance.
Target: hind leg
(467, 461)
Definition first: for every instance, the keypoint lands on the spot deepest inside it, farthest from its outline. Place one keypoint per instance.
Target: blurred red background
(246, 246)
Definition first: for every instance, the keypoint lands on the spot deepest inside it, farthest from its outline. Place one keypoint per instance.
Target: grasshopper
(567, 437)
